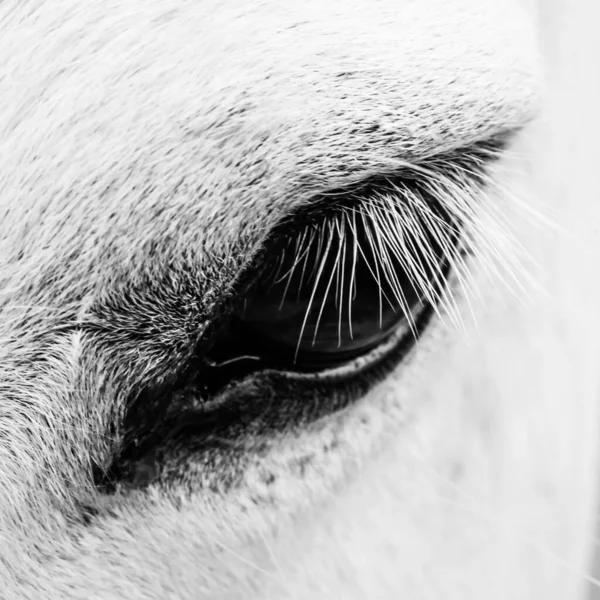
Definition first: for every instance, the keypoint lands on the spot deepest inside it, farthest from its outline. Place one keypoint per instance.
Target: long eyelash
(334, 225)
(340, 267)
(379, 240)
(316, 284)
(375, 273)
(400, 224)
(306, 257)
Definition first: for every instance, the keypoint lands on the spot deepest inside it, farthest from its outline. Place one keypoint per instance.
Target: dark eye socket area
(339, 285)
(339, 278)
(332, 296)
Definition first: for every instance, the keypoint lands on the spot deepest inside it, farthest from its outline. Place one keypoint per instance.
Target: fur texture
(147, 151)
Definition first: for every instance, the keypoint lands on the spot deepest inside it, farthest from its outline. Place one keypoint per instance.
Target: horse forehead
(196, 116)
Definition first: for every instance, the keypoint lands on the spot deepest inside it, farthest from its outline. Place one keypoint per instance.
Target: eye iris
(339, 289)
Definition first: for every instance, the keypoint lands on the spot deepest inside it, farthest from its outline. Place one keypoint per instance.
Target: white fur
(146, 149)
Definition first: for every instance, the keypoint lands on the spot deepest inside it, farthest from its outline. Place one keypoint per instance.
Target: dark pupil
(332, 296)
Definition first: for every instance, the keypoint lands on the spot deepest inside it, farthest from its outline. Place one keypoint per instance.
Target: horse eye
(338, 288)
(361, 269)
